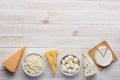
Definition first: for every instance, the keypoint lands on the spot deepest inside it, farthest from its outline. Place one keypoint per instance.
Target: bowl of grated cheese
(34, 64)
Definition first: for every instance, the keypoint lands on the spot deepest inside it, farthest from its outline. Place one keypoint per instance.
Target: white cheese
(64, 68)
(70, 57)
(89, 68)
(66, 59)
(63, 62)
(102, 50)
(69, 70)
(75, 60)
(76, 66)
(70, 64)
(67, 65)
(74, 70)
(103, 60)
(34, 64)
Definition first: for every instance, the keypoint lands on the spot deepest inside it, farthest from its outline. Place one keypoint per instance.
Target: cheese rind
(89, 68)
(52, 59)
(13, 61)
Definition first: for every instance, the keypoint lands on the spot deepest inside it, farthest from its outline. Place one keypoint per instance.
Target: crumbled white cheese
(34, 64)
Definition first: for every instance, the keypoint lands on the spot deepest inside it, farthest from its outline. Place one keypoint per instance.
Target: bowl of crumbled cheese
(34, 64)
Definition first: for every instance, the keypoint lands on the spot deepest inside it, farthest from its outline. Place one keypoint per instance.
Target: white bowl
(37, 73)
(69, 74)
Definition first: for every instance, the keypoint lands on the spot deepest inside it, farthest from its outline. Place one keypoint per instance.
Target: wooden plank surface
(71, 26)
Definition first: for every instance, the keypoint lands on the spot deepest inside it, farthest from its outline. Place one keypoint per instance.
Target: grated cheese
(34, 64)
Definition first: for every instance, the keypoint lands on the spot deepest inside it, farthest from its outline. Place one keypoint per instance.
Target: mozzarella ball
(64, 68)
(70, 57)
(66, 59)
(75, 60)
(62, 65)
(76, 66)
(73, 70)
(63, 62)
(67, 65)
(72, 65)
(70, 62)
(69, 70)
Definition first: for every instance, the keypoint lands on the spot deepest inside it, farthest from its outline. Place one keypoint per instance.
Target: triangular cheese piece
(52, 59)
(89, 68)
(13, 61)
(102, 50)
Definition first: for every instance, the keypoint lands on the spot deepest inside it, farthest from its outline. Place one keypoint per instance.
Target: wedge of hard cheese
(13, 61)
(52, 59)
(89, 68)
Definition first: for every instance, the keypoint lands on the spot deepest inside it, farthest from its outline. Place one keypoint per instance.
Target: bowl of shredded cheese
(34, 64)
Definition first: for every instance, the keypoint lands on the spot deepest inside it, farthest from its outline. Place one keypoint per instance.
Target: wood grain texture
(71, 26)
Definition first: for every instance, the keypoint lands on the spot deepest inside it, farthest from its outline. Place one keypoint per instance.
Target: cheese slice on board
(89, 68)
(102, 50)
(52, 59)
(13, 61)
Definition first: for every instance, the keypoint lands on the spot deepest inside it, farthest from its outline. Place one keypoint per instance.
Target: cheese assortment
(52, 59)
(89, 68)
(103, 56)
(13, 61)
(34, 64)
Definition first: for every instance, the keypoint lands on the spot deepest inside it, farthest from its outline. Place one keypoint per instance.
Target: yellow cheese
(13, 61)
(52, 59)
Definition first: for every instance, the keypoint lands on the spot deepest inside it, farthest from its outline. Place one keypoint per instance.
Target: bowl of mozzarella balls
(69, 65)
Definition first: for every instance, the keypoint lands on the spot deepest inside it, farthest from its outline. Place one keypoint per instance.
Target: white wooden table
(71, 26)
